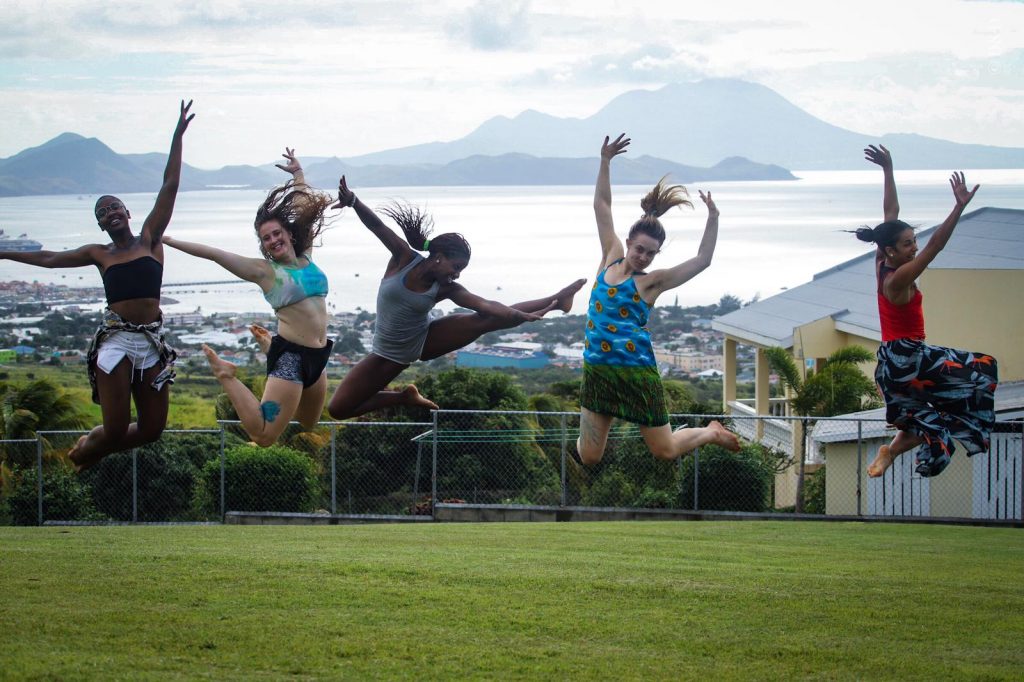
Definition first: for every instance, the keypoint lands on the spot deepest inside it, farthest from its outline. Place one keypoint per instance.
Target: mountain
(717, 129)
(701, 123)
(523, 169)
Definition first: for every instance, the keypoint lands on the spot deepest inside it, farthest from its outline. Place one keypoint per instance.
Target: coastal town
(52, 324)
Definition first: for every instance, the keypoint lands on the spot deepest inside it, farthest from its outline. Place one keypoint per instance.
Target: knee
(264, 440)
(150, 434)
(589, 456)
(338, 409)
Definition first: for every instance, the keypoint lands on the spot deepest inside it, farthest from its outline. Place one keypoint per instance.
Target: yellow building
(972, 300)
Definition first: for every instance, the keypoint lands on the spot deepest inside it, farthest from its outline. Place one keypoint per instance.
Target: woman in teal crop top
(128, 358)
(620, 376)
(287, 224)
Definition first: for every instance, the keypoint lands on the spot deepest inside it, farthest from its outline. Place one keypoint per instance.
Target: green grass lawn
(652, 600)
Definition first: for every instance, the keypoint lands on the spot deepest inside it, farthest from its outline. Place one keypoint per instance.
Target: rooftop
(986, 239)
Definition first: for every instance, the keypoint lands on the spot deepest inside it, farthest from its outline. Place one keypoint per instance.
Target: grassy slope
(602, 600)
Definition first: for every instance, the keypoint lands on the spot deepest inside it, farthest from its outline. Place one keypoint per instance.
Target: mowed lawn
(648, 600)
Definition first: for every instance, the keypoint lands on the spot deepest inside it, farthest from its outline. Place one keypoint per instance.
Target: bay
(527, 241)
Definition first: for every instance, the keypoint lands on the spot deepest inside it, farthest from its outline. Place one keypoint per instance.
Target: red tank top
(899, 321)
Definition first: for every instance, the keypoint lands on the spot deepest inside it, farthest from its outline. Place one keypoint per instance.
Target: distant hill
(72, 164)
(701, 123)
(718, 129)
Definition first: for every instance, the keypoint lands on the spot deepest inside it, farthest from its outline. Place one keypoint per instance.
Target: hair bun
(865, 234)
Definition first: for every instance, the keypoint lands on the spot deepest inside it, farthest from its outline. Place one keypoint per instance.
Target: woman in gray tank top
(411, 287)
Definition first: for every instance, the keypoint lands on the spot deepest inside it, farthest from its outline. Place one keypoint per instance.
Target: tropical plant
(838, 387)
(39, 405)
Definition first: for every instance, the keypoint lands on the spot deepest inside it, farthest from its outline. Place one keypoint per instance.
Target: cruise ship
(22, 243)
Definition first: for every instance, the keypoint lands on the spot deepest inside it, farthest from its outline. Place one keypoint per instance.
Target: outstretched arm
(890, 201)
(662, 280)
(160, 216)
(905, 275)
(611, 247)
(293, 166)
(465, 298)
(84, 255)
(400, 250)
(250, 269)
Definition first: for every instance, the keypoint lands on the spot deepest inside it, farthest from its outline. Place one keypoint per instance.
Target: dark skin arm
(401, 253)
(83, 255)
(160, 216)
(461, 296)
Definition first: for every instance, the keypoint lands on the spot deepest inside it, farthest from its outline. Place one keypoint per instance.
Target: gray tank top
(403, 317)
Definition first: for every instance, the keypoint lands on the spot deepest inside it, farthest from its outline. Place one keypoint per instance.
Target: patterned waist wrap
(154, 333)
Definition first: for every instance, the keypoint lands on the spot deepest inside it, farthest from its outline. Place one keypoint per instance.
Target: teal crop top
(292, 285)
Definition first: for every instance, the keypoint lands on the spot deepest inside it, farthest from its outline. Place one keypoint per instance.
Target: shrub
(165, 485)
(262, 479)
(728, 481)
(814, 492)
(65, 498)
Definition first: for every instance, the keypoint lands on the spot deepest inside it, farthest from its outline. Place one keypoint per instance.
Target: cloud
(654, 63)
(494, 25)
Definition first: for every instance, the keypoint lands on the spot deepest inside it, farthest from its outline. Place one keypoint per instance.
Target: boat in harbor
(21, 243)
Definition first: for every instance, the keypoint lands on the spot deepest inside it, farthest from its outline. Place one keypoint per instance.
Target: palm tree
(39, 405)
(838, 387)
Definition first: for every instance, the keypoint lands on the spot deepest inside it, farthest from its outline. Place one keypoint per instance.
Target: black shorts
(292, 362)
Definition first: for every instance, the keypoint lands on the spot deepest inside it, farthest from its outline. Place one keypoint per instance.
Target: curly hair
(655, 204)
(417, 226)
(884, 234)
(299, 210)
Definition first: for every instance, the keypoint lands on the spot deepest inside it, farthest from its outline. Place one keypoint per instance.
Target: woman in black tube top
(127, 357)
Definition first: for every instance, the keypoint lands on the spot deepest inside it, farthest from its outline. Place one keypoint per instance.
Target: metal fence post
(334, 469)
(135, 486)
(222, 468)
(433, 471)
(564, 438)
(696, 479)
(39, 476)
(1020, 499)
(860, 462)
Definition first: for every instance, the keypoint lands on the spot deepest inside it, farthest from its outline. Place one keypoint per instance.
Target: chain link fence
(786, 464)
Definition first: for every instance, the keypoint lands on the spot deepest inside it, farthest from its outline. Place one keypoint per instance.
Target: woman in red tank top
(933, 395)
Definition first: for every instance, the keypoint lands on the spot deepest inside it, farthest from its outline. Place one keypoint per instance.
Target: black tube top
(139, 278)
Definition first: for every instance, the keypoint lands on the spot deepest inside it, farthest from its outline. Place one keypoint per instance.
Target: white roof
(986, 239)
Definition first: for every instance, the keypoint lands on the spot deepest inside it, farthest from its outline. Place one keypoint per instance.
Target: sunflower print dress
(620, 375)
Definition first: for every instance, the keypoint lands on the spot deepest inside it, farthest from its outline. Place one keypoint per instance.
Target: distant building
(518, 354)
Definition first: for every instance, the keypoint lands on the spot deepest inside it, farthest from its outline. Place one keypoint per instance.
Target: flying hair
(299, 210)
(417, 227)
(655, 204)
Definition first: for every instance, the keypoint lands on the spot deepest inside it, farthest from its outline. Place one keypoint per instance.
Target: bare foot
(883, 460)
(222, 369)
(75, 453)
(261, 336)
(83, 461)
(724, 437)
(411, 397)
(563, 299)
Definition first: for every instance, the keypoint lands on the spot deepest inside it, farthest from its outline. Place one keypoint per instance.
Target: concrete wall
(977, 310)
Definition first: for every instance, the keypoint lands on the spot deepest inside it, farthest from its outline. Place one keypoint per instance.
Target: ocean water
(527, 241)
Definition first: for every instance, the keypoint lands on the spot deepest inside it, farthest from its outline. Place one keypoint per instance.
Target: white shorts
(132, 345)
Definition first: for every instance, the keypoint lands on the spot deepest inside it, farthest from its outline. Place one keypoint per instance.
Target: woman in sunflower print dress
(620, 375)
(933, 395)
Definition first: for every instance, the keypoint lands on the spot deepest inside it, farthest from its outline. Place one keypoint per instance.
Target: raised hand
(346, 197)
(184, 118)
(610, 150)
(961, 194)
(709, 202)
(878, 155)
(293, 166)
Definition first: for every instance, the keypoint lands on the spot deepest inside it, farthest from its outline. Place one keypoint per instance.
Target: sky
(353, 77)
